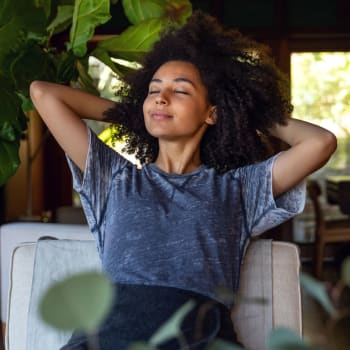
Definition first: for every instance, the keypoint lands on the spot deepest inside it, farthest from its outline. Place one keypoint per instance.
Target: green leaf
(88, 14)
(45, 4)
(140, 10)
(27, 104)
(219, 344)
(318, 291)
(103, 56)
(66, 68)
(30, 64)
(84, 79)
(345, 271)
(135, 41)
(171, 328)
(9, 159)
(178, 10)
(285, 339)
(62, 20)
(78, 302)
(18, 28)
(11, 112)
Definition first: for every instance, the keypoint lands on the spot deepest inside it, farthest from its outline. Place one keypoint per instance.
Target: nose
(161, 99)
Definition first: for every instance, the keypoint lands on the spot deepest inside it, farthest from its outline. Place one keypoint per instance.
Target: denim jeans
(139, 310)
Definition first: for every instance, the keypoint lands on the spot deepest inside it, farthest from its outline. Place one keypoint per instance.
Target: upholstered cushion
(13, 234)
(55, 260)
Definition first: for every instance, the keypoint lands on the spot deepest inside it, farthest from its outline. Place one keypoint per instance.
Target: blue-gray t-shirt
(186, 231)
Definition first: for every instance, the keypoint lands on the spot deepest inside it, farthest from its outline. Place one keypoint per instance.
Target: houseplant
(50, 40)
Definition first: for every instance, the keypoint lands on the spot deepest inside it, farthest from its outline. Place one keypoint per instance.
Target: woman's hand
(311, 147)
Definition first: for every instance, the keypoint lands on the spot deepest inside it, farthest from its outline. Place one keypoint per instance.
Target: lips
(160, 116)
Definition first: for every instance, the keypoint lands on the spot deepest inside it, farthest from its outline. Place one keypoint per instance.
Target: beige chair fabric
(273, 269)
(269, 271)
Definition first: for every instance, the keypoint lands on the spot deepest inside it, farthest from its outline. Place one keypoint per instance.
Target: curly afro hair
(250, 93)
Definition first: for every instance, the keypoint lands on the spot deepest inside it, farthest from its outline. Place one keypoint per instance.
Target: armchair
(270, 270)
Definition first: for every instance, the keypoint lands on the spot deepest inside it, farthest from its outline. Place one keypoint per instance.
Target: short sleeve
(262, 211)
(94, 183)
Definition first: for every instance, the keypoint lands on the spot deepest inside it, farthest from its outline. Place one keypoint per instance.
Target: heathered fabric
(185, 231)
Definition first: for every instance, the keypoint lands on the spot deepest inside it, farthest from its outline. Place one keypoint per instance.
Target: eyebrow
(176, 80)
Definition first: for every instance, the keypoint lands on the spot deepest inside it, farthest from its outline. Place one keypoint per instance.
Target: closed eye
(181, 92)
(153, 92)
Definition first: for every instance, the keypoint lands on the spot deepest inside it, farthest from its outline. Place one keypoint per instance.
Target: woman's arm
(311, 147)
(62, 109)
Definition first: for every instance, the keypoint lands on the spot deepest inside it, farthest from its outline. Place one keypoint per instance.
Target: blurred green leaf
(285, 339)
(9, 159)
(317, 290)
(78, 302)
(172, 328)
(103, 56)
(179, 10)
(219, 344)
(32, 63)
(345, 271)
(66, 67)
(135, 41)
(45, 4)
(84, 79)
(62, 20)
(140, 10)
(88, 14)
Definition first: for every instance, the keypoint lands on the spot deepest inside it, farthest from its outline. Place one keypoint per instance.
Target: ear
(212, 117)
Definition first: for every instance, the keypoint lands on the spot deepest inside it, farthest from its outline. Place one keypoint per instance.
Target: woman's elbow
(36, 90)
(328, 144)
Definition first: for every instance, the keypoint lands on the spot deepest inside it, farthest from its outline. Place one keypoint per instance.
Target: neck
(178, 159)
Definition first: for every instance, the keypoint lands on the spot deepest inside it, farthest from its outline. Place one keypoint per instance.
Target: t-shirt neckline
(154, 167)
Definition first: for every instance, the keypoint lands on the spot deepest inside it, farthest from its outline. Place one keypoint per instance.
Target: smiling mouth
(160, 116)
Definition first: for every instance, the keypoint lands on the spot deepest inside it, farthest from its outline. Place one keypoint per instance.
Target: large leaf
(62, 20)
(172, 328)
(84, 79)
(285, 339)
(318, 291)
(103, 56)
(66, 67)
(15, 31)
(140, 10)
(88, 14)
(12, 122)
(9, 159)
(135, 41)
(45, 4)
(78, 302)
(31, 63)
(178, 10)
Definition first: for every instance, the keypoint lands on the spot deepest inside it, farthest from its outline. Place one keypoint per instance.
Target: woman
(176, 229)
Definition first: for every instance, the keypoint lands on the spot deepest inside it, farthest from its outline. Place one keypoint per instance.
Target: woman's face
(177, 106)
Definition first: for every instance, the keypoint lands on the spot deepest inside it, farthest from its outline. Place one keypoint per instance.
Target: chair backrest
(269, 270)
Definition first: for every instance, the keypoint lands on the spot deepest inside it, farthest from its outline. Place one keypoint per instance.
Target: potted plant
(51, 40)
